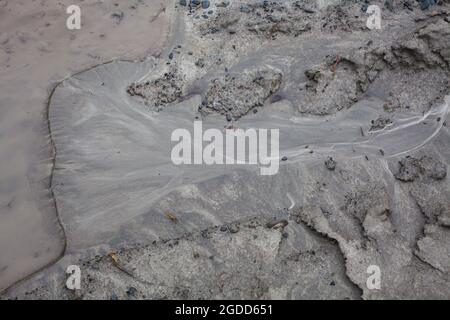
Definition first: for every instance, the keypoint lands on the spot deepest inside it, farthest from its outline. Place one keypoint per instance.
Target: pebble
(244, 9)
(234, 228)
(200, 63)
(131, 291)
(119, 15)
(425, 4)
(330, 163)
(274, 18)
(205, 4)
(223, 4)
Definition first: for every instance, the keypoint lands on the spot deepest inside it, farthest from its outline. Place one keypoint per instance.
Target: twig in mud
(169, 215)
(231, 127)
(334, 66)
(156, 16)
(115, 261)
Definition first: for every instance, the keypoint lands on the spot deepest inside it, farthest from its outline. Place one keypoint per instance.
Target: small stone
(330, 163)
(274, 18)
(244, 9)
(119, 15)
(234, 228)
(223, 4)
(205, 4)
(132, 291)
(425, 4)
(200, 63)
(388, 4)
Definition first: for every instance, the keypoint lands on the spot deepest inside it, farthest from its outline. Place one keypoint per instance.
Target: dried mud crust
(266, 19)
(235, 94)
(368, 232)
(159, 92)
(333, 86)
(411, 168)
(416, 68)
(273, 19)
(425, 177)
(251, 259)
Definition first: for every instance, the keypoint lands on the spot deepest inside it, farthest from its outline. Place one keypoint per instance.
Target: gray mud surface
(363, 118)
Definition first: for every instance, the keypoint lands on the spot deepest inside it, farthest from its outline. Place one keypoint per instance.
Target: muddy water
(37, 52)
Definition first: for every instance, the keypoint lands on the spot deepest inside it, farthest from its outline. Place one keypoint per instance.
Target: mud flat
(364, 138)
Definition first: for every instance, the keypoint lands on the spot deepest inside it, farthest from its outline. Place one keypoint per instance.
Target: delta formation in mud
(364, 138)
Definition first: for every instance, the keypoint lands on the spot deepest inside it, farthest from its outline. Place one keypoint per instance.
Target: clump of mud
(411, 168)
(263, 18)
(334, 85)
(234, 95)
(420, 61)
(415, 89)
(424, 176)
(159, 92)
(270, 19)
(380, 123)
(415, 69)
